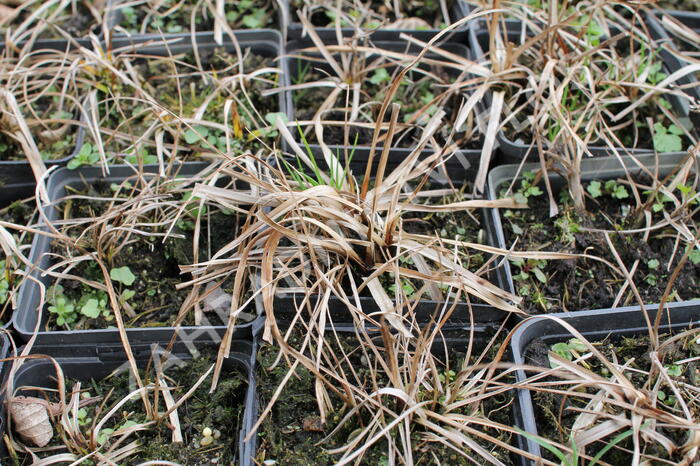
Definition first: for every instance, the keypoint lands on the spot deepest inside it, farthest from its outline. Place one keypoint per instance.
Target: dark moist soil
(412, 97)
(78, 23)
(193, 89)
(554, 419)
(686, 5)
(582, 284)
(221, 411)
(19, 212)
(428, 11)
(156, 266)
(460, 225)
(245, 14)
(293, 434)
(51, 146)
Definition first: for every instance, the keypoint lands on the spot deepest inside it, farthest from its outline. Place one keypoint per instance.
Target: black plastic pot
(29, 317)
(16, 184)
(89, 362)
(116, 16)
(594, 325)
(459, 10)
(672, 61)
(600, 168)
(454, 342)
(4, 353)
(463, 158)
(512, 152)
(264, 42)
(464, 315)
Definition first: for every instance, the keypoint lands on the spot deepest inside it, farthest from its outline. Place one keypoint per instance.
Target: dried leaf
(31, 420)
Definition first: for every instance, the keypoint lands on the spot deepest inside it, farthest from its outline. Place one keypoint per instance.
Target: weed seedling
(86, 157)
(568, 350)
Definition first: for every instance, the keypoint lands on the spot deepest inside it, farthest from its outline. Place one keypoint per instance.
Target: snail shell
(31, 420)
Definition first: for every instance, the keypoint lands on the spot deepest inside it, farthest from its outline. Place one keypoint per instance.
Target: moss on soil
(121, 110)
(293, 434)
(221, 411)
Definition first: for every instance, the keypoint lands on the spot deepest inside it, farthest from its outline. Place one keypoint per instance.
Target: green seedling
(123, 275)
(694, 255)
(196, 134)
(568, 350)
(93, 305)
(668, 400)
(64, 310)
(651, 278)
(527, 188)
(86, 157)
(135, 157)
(83, 418)
(611, 188)
(530, 266)
(5, 282)
(270, 131)
(406, 286)
(567, 227)
(105, 434)
(448, 376)
(674, 370)
(380, 76)
(667, 139)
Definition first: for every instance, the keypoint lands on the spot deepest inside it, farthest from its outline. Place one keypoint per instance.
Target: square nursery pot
(669, 49)
(599, 168)
(459, 10)
(116, 16)
(96, 361)
(450, 343)
(512, 152)
(463, 316)
(594, 325)
(49, 46)
(16, 184)
(4, 353)
(463, 157)
(30, 317)
(265, 42)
